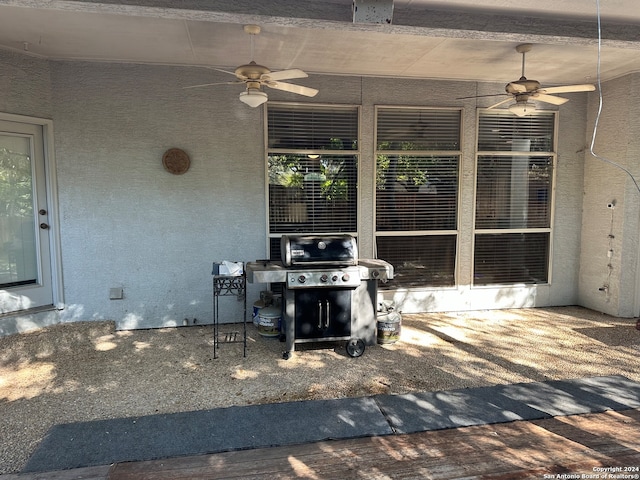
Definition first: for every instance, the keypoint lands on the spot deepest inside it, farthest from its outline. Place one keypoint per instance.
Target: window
(514, 187)
(313, 170)
(417, 163)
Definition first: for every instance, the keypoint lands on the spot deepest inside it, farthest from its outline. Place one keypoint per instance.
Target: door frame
(51, 186)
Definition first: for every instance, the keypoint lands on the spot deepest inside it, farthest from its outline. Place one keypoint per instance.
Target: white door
(25, 257)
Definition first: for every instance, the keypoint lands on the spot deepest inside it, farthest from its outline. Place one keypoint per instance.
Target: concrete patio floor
(87, 371)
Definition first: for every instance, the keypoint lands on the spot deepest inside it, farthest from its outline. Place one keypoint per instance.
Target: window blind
(513, 192)
(514, 188)
(419, 260)
(312, 168)
(306, 127)
(417, 170)
(312, 195)
(498, 132)
(417, 129)
(511, 258)
(416, 192)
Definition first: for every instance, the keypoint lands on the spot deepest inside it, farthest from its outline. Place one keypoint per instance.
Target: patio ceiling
(456, 39)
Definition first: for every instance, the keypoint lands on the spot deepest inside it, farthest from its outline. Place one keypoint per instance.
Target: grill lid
(319, 250)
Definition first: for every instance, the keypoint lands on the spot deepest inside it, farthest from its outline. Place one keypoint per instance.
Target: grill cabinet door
(323, 313)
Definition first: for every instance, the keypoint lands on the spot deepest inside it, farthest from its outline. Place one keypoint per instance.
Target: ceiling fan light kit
(253, 97)
(522, 109)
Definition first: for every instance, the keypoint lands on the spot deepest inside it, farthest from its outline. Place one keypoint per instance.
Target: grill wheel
(355, 347)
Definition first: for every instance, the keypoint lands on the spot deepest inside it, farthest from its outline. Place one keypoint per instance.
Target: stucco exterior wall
(609, 249)
(25, 85)
(126, 222)
(568, 212)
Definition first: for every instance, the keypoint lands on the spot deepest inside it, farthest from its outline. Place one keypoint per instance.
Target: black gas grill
(329, 293)
(328, 251)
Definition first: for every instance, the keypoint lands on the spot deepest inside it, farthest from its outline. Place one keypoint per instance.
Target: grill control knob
(375, 274)
(302, 279)
(324, 278)
(334, 278)
(345, 277)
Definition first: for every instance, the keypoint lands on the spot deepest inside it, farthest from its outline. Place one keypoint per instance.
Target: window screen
(312, 169)
(417, 165)
(514, 188)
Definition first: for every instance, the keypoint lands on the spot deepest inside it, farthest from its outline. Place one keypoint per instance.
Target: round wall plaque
(176, 161)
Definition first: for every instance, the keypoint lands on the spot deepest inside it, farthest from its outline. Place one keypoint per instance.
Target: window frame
(506, 231)
(420, 233)
(268, 151)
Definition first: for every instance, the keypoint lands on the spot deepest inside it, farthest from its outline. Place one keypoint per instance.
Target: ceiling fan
(524, 90)
(255, 76)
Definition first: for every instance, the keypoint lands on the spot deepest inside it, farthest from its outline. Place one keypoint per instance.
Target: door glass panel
(18, 249)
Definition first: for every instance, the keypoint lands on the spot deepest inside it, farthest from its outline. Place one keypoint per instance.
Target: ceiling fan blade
(543, 97)
(587, 87)
(290, 87)
(217, 83)
(500, 103)
(284, 75)
(221, 70)
(482, 96)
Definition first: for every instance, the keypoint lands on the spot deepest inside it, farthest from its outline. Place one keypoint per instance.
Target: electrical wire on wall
(595, 126)
(611, 236)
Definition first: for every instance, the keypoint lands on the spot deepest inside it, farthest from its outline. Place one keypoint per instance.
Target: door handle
(319, 314)
(44, 226)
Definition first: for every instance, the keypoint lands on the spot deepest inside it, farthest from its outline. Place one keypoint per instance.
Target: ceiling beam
(407, 20)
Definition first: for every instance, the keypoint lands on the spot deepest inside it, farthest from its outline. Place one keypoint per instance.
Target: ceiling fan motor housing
(522, 86)
(251, 71)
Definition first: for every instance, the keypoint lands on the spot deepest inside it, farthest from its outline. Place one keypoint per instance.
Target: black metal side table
(226, 286)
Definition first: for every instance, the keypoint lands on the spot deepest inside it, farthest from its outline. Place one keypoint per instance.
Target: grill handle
(328, 314)
(324, 320)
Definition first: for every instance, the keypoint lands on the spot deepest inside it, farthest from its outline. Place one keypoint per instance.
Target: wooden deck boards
(519, 450)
